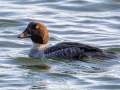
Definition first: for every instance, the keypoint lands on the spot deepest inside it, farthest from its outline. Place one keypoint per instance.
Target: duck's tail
(101, 55)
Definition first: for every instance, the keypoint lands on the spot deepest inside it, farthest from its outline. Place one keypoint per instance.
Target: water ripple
(85, 21)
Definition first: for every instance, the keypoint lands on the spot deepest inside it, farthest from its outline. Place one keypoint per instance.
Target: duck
(39, 36)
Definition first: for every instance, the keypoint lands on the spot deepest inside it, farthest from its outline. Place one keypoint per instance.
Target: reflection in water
(44, 67)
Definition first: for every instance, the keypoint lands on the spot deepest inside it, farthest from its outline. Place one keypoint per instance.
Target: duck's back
(75, 50)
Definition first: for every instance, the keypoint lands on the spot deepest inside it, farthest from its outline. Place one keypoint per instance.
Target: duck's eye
(37, 27)
(29, 29)
(29, 32)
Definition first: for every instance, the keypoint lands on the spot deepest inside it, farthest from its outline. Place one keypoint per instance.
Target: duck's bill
(24, 35)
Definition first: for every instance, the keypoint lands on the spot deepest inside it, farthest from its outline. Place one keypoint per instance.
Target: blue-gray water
(94, 22)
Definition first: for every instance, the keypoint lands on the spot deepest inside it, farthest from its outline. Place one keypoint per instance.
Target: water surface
(93, 22)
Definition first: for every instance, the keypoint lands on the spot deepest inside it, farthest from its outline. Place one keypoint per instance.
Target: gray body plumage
(65, 53)
(58, 51)
(70, 50)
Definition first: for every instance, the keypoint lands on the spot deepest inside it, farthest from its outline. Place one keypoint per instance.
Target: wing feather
(65, 45)
(75, 50)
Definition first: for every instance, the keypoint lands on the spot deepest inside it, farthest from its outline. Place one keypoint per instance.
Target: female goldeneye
(38, 33)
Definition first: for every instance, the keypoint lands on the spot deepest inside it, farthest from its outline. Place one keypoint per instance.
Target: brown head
(37, 32)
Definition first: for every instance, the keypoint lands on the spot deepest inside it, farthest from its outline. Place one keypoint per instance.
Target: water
(94, 22)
